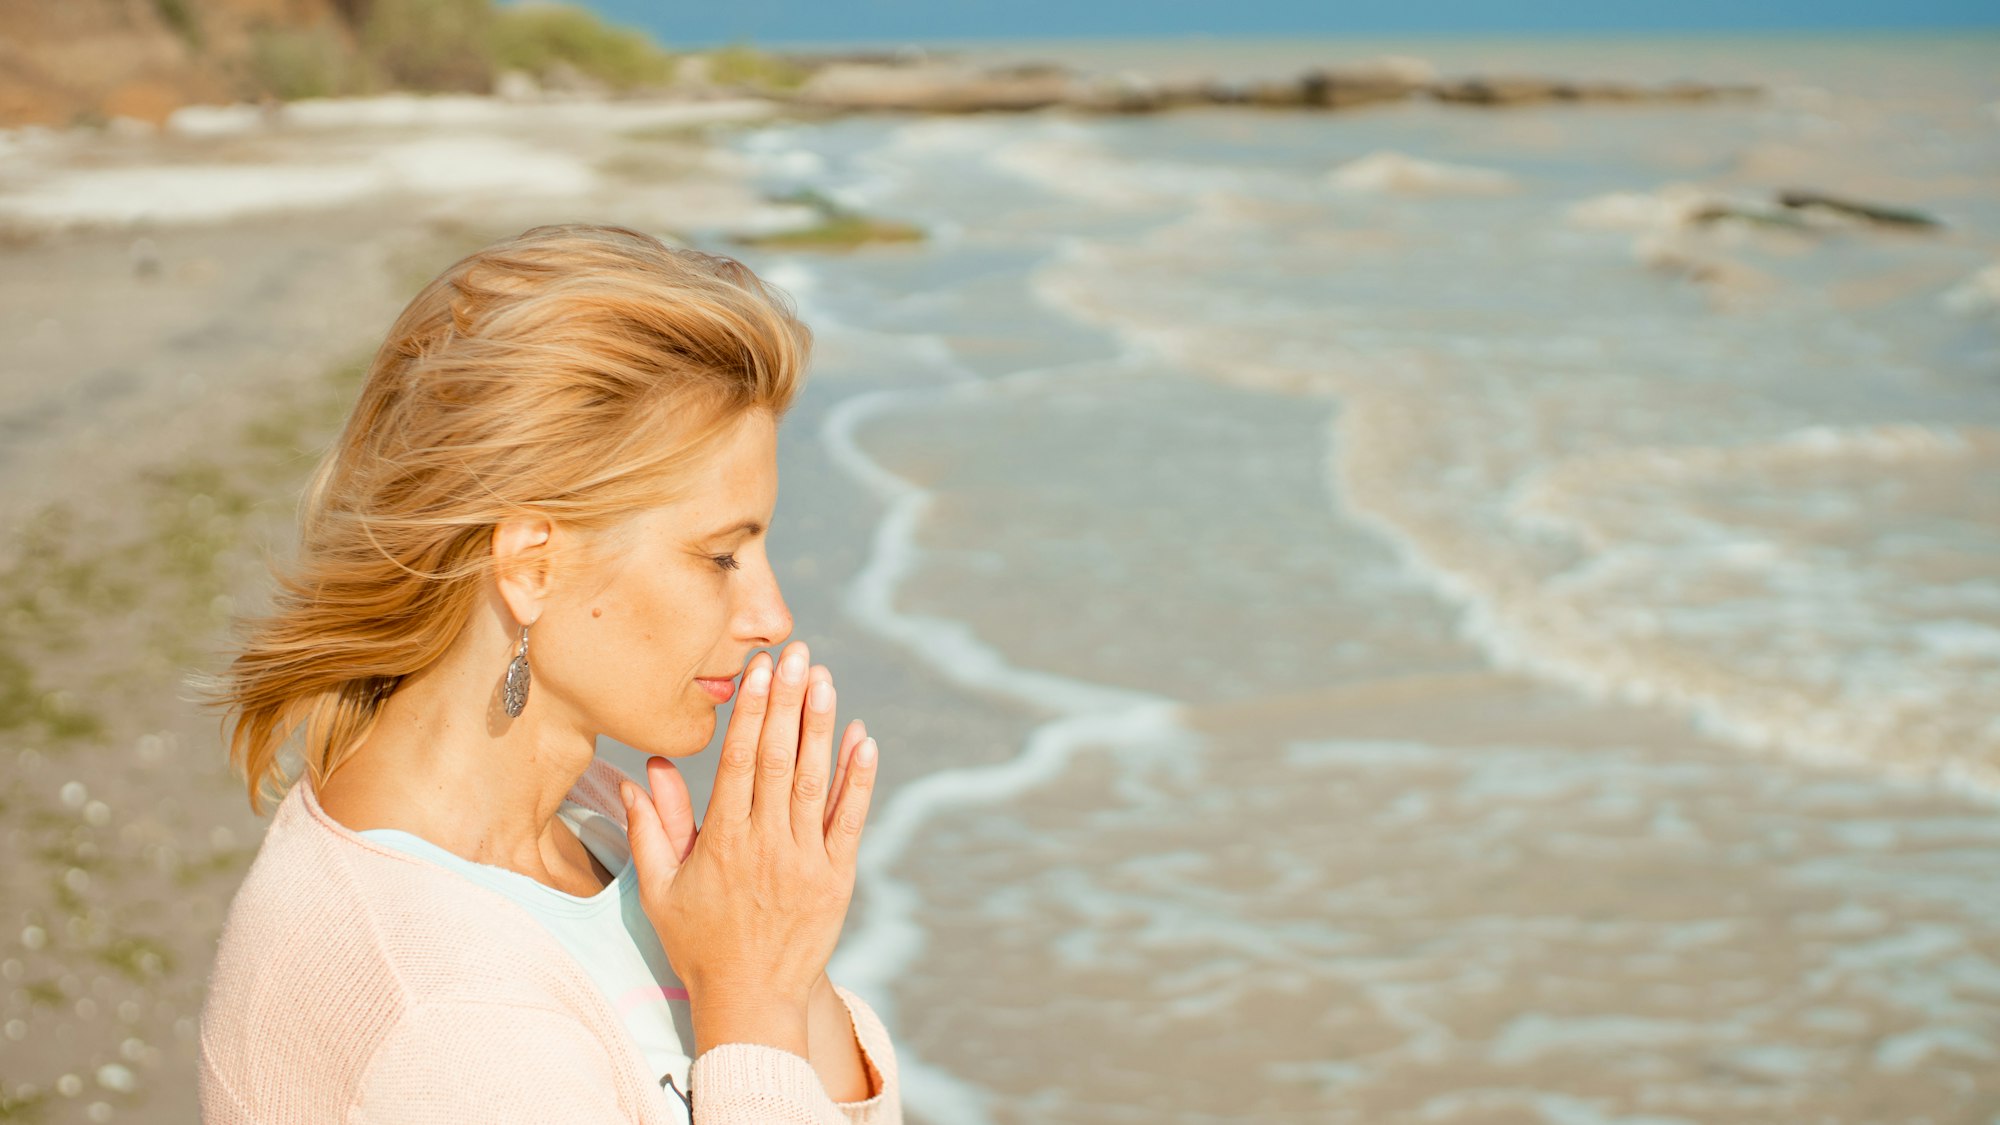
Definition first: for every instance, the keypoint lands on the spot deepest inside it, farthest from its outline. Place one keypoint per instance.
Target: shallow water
(1499, 654)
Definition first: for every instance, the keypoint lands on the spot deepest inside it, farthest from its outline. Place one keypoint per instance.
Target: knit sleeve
(886, 1107)
(753, 1084)
(474, 1063)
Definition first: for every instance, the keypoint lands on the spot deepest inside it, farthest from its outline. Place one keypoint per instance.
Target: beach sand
(168, 386)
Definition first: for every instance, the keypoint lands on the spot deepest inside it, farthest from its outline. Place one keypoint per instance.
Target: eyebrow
(750, 526)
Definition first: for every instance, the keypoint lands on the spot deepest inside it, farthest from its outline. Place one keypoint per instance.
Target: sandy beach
(172, 377)
(1371, 617)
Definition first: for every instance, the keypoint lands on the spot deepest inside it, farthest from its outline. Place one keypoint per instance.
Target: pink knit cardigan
(360, 984)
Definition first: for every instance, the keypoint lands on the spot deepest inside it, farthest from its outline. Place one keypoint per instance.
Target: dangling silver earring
(514, 693)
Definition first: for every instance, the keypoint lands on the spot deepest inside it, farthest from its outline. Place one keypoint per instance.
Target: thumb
(652, 853)
(676, 807)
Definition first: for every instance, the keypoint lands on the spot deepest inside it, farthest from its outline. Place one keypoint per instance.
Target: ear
(521, 564)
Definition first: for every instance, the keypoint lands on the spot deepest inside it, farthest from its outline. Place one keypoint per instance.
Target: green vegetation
(303, 62)
(139, 958)
(180, 16)
(740, 64)
(446, 46)
(539, 38)
(464, 46)
(443, 45)
(837, 229)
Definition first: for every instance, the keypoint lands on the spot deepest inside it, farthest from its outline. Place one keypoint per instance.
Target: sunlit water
(1503, 654)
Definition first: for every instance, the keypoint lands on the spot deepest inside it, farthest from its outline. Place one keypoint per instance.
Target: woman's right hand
(749, 908)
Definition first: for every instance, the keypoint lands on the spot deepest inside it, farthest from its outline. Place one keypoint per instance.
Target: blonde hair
(576, 372)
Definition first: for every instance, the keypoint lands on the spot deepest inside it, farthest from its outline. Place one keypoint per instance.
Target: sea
(1389, 615)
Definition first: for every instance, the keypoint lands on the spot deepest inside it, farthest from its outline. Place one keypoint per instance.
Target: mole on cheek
(596, 612)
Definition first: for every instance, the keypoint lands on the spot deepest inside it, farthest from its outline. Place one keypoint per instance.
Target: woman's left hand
(676, 805)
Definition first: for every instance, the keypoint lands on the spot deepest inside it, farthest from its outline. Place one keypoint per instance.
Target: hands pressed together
(749, 906)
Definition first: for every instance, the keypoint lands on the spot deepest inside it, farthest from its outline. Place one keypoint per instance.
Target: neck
(444, 762)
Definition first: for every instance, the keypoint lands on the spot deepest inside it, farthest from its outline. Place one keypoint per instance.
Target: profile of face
(683, 593)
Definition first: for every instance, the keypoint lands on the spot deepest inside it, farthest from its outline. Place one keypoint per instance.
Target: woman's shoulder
(332, 940)
(324, 912)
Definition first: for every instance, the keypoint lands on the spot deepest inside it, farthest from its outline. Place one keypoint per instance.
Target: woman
(543, 523)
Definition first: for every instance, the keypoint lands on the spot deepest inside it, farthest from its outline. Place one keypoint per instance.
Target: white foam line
(1504, 638)
(1510, 646)
(889, 937)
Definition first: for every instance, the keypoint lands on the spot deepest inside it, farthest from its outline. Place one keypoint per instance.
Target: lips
(719, 688)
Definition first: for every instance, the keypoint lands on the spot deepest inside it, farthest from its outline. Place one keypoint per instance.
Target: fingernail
(820, 697)
(793, 667)
(757, 678)
(625, 794)
(865, 753)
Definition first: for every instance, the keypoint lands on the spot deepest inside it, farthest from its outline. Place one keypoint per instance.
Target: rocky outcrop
(936, 88)
(1500, 91)
(942, 86)
(65, 62)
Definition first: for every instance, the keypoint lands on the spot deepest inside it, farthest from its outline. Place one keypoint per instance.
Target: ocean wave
(1395, 173)
(1765, 583)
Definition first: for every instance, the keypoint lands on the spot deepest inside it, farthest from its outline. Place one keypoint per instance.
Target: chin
(693, 735)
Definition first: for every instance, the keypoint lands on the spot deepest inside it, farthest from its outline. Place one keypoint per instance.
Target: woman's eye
(726, 562)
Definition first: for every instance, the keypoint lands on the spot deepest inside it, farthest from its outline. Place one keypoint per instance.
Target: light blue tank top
(608, 934)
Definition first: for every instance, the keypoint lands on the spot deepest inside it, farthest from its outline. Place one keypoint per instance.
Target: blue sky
(682, 24)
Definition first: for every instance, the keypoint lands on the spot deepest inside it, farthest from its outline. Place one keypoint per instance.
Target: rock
(934, 88)
(1799, 199)
(516, 86)
(832, 227)
(1499, 91)
(1743, 212)
(1330, 89)
(926, 85)
(1130, 92)
(1524, 90)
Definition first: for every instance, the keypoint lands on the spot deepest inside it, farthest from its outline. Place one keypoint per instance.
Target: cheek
(652, 632)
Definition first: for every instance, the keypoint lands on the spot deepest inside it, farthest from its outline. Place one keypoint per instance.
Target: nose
(765, 620)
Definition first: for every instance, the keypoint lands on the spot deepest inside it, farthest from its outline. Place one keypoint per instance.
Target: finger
(778, 745)
(856, 731)
(676, 807)
(735, 772)
(815, 746)
(845, 839)
(652, 853)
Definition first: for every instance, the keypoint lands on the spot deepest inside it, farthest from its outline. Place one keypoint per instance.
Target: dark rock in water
(937, 88)
(1332, 89)
(1325, 89)
(1703, 92)
(1499, 90)
(1761, 216)
(933, 86)
(1133, 93)
(1871, 212)
(1524, 90)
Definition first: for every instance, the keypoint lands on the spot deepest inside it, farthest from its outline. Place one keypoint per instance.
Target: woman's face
(685, 593)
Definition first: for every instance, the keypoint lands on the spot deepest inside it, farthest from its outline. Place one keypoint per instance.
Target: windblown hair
(574, 372)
